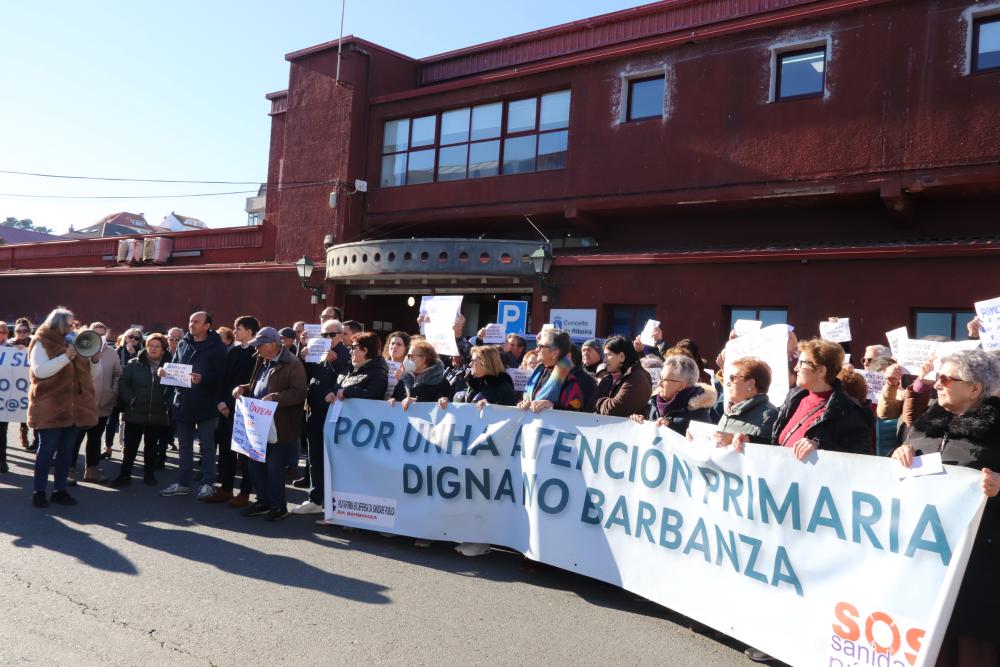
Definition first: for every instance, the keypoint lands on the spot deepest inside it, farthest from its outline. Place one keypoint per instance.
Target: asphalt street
(127, 577)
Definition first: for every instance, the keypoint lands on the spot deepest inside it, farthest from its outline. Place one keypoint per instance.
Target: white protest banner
(579, 323)
(495, 334)
(836, 330)
(722, 537)
(646, 337)
(394, 367)
(875, 382)
(14, 385)
(769, 344)
(520, 376)
(988, 313)
(895, 338)
(743, 327)
(251, 425)
(313, 330)
(316, 349)
(178, 375)
(439, 329)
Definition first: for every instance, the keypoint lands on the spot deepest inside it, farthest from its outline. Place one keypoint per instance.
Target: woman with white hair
(61, 401)
(964, 426)
(679, 398)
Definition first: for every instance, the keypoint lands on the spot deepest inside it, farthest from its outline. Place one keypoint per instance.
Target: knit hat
(594, 343)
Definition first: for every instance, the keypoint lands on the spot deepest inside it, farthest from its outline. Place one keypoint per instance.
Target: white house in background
(181, 223)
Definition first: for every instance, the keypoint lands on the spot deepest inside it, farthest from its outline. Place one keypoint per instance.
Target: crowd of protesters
(118, 392)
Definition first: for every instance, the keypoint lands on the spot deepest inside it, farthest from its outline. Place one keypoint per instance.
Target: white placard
(837, 330)
(913, 354)
(875, 382)
(928, 464)
(770, 344)
(702, 433)
(646, 337)
(520, 377)
(316, 349)
(439, 328)
(394, 367)
(743, 327)
(989, 323)
(14, 385)
(177, 375)
(895, 338)
(495, 334)
(251, 426)
(313, 330)
(577, 322)
(333, 412)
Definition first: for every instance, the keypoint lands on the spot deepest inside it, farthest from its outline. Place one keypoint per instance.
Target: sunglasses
(734, 378)
(175, 339)
(946, 380)
(134, 337)
(805, 364)
(331, 334)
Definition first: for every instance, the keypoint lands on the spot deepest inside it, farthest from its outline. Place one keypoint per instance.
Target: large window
(767, 315)
(628, 321)
(952, 324)
(645, 98)
(986, 43)
(513, 137)
(800, 73)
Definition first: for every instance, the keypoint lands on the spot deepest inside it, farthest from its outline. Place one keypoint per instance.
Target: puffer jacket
(141, 397)
(428, 386)
(369, 380)
(496, 389)
(754, 416)
(691, 404)
(844, 425)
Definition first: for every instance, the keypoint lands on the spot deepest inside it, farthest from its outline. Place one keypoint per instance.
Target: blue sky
(176, 90)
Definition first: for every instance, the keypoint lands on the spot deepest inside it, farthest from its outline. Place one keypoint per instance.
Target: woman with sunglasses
(964, 427)
(818, 414)
(748, 409)
(369, 374)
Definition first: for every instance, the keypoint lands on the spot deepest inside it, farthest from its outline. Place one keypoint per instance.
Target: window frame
(648, 76)
(956, 334)
(779, 57)
(977, 23)
(757, 309)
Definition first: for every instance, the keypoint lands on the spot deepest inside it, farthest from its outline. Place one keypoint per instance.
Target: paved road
(127, 577)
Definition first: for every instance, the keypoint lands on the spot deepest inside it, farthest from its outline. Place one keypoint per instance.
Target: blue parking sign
(513, 315)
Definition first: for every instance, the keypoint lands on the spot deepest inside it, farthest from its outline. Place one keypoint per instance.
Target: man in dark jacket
(322, 388)
(239, 366)
(194, 409)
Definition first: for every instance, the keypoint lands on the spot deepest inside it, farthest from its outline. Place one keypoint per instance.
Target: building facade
(693, 162)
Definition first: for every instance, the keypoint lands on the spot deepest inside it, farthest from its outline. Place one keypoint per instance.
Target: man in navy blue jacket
(194, 409)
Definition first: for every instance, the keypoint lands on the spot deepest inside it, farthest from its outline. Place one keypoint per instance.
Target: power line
(11, 195)
(125, 180)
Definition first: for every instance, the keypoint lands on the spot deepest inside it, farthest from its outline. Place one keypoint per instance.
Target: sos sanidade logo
(877, 639)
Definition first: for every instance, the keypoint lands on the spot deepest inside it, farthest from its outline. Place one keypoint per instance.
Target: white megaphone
(88, 343)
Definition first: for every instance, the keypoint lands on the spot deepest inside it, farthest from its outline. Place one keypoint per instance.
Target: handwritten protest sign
(316, 349)
(895, 337)
(14, 385)
(178, 375)
(989, 323)
(646, 337)
(394, 367)
(743, 327)
(836, 330)
(520, 377)
(913, 354)
(769, 344)
(875, 382)
(439, 327)
(251, 426)
(495, 334)
(314, 330)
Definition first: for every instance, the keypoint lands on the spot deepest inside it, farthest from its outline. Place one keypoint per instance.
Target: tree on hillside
(25, 224)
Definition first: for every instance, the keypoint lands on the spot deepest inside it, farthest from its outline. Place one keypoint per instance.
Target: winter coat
(496, 389)
(66, 398)
(754, 416)
(456, 378)
(428, 386)
(322, 379)
(971, 440)
(626, 396)
(288, 382)
(240, 362)
(369, 380)
(141, 397)
(843, 426)
(588, 387)
(107, 373)
(208, 358)
(690, 404)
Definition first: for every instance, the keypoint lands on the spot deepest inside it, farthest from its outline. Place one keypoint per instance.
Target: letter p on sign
(513, 315)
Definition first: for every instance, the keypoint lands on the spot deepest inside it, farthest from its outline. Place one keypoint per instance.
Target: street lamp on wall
(541, 261)
(304, 267)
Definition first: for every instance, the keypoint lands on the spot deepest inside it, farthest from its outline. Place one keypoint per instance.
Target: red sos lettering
(849, 628)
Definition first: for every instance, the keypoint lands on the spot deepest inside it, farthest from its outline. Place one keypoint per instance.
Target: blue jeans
(185, 443)
(269, 477)
(58, 442)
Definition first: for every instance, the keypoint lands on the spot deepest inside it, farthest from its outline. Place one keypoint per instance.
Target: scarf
(552, 387)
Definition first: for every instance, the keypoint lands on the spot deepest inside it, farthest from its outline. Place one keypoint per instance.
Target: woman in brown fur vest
(60, 402)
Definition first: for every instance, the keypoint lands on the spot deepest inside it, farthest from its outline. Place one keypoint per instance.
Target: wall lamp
(304, 267)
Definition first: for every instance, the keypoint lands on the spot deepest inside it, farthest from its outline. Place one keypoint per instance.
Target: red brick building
(692, 161)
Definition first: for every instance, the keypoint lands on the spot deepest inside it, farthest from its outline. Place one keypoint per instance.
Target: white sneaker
(472, 549)
(204, 491)
(308, 507)
(175, 490)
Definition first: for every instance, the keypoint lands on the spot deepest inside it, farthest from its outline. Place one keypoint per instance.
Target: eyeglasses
(671, 380)
(330, 334)
(174, 338)
(416, 355)
(21, 331)
(805, 364)
(545, 347)
(137, 338)
(946, 380)
(477, 360)
(734, 378)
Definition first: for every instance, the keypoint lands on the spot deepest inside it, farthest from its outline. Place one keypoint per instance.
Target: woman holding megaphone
(60, 402)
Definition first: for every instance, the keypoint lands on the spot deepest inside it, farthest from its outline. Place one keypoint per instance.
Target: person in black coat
(423, 380)
(679, 398)
(488, 381)
(587, 380)
(964, 426)
(369, 374)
